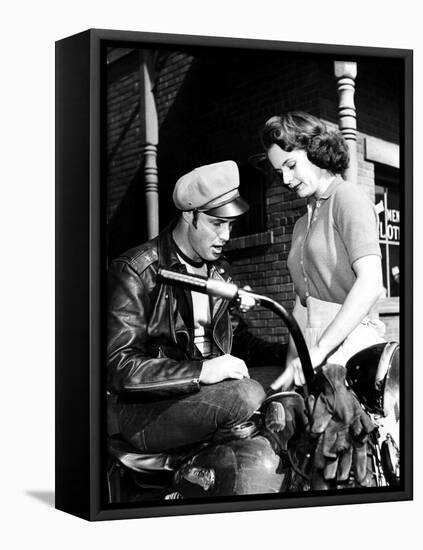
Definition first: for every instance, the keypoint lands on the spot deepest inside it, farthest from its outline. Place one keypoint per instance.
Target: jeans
(209, 414)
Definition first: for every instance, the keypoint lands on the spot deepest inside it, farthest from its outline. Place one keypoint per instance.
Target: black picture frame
(81, 269)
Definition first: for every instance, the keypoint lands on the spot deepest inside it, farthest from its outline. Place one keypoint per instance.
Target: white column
(346, 73)
(149, 134)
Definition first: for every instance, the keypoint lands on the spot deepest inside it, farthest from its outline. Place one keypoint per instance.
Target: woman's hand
(318, 355)
(293, 374)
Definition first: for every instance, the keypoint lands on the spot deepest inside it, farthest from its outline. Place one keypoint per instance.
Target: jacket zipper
(169, 292)
(223, 307)
(155, 385)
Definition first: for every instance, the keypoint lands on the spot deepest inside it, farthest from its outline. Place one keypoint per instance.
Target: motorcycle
(276, 451)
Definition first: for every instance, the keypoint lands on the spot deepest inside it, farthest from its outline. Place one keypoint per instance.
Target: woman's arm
(365, 292)
(356, 220)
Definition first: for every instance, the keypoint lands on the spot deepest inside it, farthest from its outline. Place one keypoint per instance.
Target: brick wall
(123, 121)
(211, 104)
(222, 101)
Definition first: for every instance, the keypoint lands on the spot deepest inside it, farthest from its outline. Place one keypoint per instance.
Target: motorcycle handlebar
(230, 291)
(212, 287)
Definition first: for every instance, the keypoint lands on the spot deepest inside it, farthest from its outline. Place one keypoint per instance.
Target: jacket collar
(166, 250)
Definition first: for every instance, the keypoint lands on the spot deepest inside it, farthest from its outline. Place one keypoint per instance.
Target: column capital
(345, 73)
(149, 137)
(345, 69)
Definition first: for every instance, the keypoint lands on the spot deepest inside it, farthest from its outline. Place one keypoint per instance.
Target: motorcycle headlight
(373, 373)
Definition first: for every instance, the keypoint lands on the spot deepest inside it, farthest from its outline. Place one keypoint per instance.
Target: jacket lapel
(168, 258)
(221, 325)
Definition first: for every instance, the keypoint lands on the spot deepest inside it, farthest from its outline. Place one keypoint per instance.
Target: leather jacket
(151, 349)
(151, 352)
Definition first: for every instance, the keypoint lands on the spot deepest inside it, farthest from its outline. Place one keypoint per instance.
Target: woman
(335, 259)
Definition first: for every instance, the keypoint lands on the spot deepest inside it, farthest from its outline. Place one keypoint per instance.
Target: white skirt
(313, 321)
(317, 316)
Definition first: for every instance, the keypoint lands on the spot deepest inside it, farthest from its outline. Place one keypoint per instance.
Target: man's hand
(223, 367)
(246, 301)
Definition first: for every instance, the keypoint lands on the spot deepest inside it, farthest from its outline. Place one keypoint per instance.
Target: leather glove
(327, 471)
(342, 427)
(285, 415)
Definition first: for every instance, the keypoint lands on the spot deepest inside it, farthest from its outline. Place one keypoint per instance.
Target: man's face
(209, 237)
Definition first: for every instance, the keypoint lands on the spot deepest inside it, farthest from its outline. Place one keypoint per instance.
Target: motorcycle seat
(134, 460)
(145, 463)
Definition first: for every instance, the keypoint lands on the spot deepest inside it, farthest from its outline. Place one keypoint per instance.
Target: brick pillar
(345, 73)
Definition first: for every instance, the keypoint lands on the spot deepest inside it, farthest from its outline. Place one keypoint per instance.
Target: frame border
(80, 270)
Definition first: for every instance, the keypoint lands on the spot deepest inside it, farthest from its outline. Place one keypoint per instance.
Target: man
(169, 350)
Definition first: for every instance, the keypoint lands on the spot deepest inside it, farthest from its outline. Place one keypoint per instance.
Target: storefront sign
(390, 230)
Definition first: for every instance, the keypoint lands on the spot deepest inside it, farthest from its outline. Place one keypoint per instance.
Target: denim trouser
(209, 414)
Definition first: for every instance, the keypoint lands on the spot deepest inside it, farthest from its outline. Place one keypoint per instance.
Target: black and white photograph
(211, 275)
(254, 206)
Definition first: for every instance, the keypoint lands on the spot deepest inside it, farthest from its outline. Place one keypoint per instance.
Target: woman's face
(297, 172)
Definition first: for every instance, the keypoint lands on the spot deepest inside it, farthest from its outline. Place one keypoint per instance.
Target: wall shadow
(46, 497)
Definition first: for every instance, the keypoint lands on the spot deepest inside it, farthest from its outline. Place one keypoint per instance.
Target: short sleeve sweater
(338, 229)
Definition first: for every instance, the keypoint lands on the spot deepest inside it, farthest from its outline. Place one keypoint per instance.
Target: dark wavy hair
(298, 130)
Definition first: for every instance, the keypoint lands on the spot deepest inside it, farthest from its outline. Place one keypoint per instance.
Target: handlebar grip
(196, 283)
(190, 282)
(221, 289)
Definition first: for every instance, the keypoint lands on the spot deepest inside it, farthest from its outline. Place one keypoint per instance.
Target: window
(252, 187)
(387, 201)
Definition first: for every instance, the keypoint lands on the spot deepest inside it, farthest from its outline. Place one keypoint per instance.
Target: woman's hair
(298, 130)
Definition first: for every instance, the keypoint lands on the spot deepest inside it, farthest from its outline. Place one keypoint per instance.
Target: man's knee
(248, 395)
